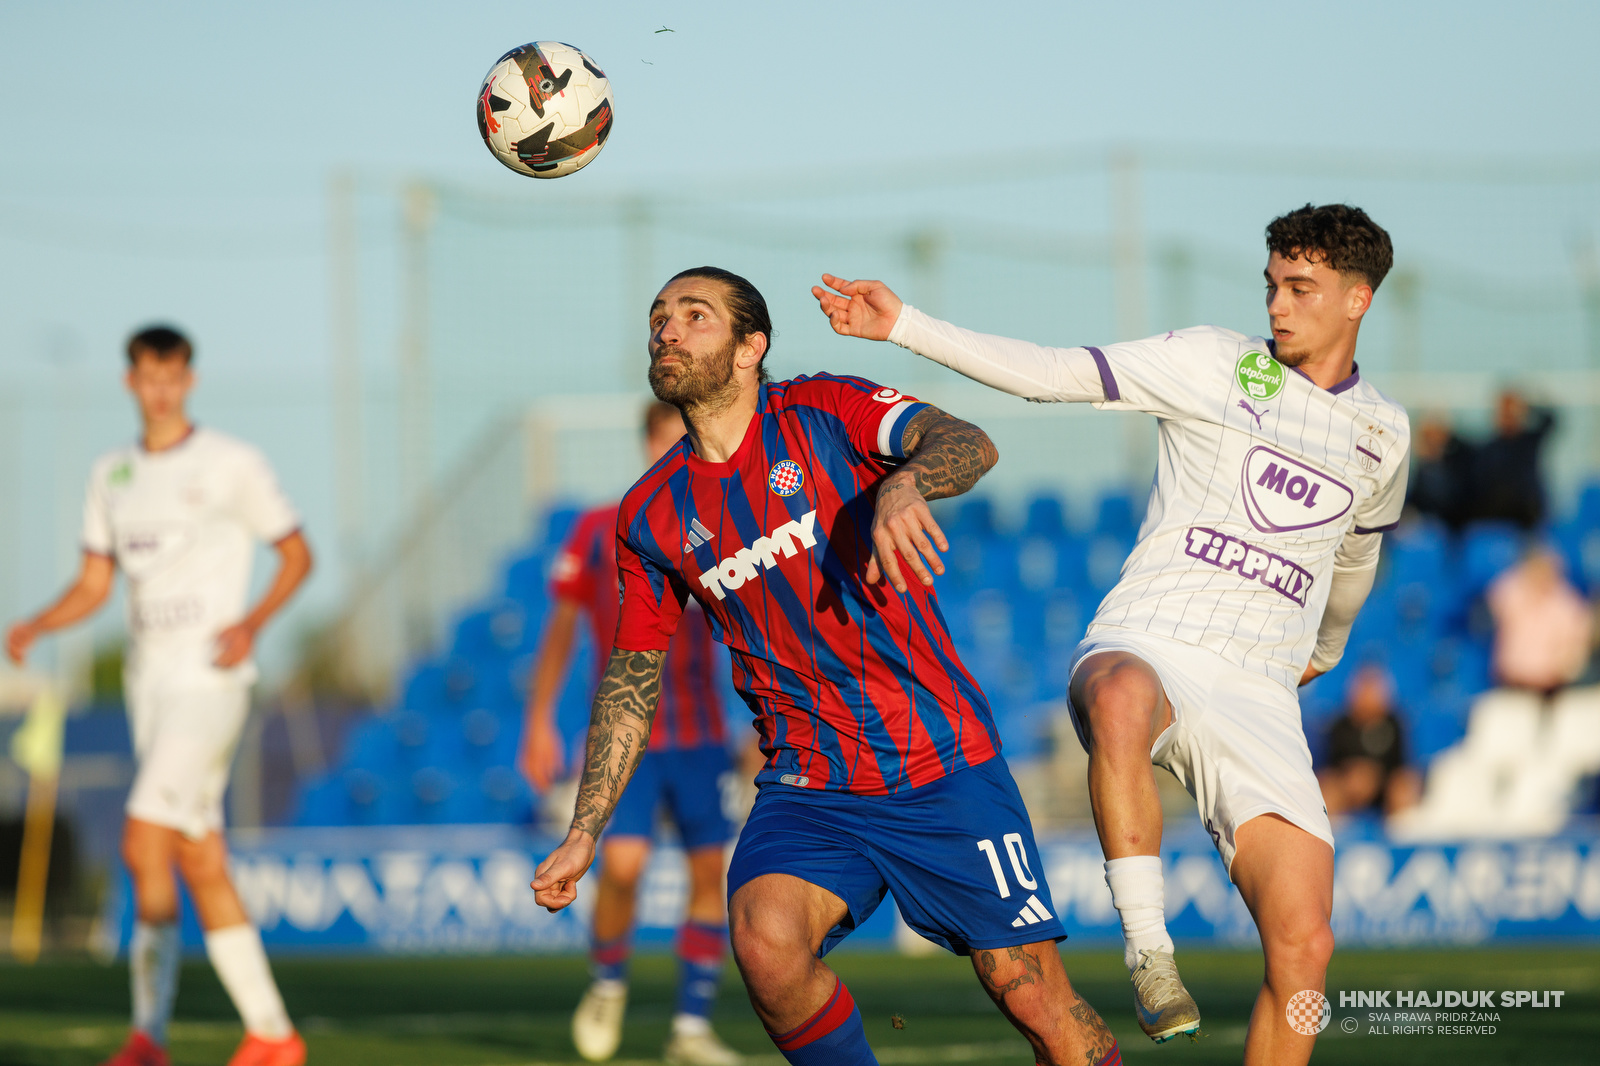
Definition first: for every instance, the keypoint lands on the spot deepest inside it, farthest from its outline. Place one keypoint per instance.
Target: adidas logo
(698, 535)
(1032, 914)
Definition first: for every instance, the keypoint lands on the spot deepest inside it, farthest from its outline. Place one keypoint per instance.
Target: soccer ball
(545, 109)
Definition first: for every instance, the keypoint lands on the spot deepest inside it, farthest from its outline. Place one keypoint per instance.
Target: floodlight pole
(639, 241)
(925, 249)
(344, 286)
(1406, 286)
(1128, 270)
(1587, 263)
(414, 410)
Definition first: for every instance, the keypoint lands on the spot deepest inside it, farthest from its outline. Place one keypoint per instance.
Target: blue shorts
(958, 854)
(688, 782)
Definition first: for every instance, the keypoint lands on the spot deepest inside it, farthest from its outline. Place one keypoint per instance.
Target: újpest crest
(786, 477)
(1260, 375)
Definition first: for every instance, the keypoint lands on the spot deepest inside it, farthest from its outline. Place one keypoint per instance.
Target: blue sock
(153, 959)
(608, 959)
(831, 1037)
(701, 949)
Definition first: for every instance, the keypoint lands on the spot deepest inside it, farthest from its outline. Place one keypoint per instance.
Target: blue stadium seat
(1487, 550)
(1045, 517)
(1117, 516)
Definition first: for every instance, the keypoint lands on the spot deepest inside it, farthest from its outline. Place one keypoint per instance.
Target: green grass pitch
(484, 1011)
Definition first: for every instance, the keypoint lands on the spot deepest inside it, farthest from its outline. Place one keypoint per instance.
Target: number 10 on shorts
(1019, 863)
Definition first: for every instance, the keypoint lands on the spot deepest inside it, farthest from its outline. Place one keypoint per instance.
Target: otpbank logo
(1283, 494)
(746, 564)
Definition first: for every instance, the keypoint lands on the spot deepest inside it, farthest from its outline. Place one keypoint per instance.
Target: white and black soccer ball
(545, 109)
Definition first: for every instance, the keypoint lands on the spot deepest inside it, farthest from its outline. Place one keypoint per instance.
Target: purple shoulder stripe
(1108, 381)
(1375, 529)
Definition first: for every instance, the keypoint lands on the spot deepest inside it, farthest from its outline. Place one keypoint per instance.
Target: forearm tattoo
(619, 729)
(948, 456)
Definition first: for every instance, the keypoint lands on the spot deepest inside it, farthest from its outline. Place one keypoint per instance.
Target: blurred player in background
(1279, 468)
(682, 771)
(782, 513)
(180, 513)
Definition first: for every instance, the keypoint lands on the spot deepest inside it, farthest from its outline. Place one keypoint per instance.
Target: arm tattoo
(947, 455)
(619, 729)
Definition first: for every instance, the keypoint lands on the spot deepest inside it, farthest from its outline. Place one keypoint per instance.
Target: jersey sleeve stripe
(892, 429)
(1375, 529)
(1108, 381)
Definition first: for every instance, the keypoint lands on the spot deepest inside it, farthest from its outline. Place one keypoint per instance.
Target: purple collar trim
(1343, 386)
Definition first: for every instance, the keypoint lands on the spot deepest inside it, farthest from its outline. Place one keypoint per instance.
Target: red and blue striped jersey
(855, 688)
(585, 573)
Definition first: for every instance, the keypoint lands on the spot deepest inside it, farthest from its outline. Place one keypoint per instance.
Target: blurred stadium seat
(1017, 600)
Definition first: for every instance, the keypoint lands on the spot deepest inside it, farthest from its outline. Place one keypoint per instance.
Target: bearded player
(791, 513)
(681, 773)
(1279, 469)
(180, 513)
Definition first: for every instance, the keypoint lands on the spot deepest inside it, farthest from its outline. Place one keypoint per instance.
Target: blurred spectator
(1439, 476)
(1506, 484)
(1365, 766)
(1542, 624)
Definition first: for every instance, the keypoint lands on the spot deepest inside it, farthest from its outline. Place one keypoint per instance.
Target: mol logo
(743, 564)
(1283, 494)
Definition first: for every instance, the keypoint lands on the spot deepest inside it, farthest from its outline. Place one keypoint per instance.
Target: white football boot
(597, 1023)
(697, 1045)
(1165, 1007)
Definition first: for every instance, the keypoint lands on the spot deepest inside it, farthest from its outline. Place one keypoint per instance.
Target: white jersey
(1260, 476)
(182, 524)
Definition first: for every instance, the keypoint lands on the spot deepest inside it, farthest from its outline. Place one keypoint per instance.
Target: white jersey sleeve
(1380, 512)
(1177, 375)
(1031, 371)
(98, 536)
(259, 502)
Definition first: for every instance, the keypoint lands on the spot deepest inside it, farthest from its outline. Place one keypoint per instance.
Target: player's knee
(1303, 946)
(202, 866)
(1120, 703)
(771, 956)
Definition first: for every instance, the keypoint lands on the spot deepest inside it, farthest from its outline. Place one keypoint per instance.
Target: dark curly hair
(1342, 236)
(746, 306)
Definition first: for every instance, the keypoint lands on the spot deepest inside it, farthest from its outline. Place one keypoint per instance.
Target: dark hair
(746, 305)
(1342, 236)
(657, 412)
(160, 342)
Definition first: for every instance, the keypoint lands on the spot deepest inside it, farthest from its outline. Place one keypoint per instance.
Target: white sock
(153, 958)
(690, 1025)
(241, 964)
(1140, 898)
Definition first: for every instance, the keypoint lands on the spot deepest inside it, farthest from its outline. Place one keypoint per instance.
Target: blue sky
(170, 160)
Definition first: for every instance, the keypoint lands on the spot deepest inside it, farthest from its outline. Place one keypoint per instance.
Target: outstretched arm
(946, 457)
(619, 729)
(84, 598)
(871, 310)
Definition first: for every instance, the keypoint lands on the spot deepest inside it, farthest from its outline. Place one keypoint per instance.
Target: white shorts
(184, 736)
(1235, 742)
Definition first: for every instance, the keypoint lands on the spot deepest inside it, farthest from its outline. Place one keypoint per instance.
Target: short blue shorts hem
(958, 854)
